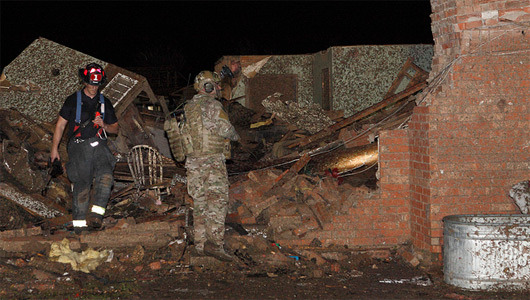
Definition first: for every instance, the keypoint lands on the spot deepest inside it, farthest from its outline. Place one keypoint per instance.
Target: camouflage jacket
(208, 125)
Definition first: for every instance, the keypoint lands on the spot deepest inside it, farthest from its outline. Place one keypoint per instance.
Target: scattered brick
(155, 265)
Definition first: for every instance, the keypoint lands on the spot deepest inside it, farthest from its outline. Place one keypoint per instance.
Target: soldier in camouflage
(206, 137)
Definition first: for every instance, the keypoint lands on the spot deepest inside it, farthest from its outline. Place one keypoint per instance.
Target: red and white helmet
(93, 74)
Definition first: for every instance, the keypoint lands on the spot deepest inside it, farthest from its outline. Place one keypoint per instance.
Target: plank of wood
(390, 100)
(418, 76)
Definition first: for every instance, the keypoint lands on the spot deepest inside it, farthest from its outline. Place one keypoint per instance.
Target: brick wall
(468, 140)
(376, 219)
(469, 137)
(394, 180)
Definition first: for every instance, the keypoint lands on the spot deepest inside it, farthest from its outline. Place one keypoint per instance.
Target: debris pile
(313, 119)
(289, 204)
(292, 173)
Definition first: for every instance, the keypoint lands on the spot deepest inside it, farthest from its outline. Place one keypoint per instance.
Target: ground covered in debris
(156, 274)
(285, 188)
(145, 252)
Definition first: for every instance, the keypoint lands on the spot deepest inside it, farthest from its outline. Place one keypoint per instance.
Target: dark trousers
(90, 165)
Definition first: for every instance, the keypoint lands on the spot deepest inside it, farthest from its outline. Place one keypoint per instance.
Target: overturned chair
(145, 164)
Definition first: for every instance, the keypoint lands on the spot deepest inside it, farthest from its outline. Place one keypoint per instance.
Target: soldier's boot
(216, 251)
(198, 250)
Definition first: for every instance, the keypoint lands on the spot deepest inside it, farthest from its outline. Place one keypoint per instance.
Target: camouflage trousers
(208, 186)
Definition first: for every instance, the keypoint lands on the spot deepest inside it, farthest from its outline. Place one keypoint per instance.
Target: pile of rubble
(294, 170)
(291, 204)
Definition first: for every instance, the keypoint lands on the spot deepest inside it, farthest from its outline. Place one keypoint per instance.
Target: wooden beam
(129, 98)
(388, 101)
(288, 174)
(154, 98)
(418, 76)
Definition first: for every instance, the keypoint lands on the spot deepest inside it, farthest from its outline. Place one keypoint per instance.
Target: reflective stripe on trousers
(90, 165)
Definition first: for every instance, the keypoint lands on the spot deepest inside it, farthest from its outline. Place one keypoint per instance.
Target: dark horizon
(191, 36)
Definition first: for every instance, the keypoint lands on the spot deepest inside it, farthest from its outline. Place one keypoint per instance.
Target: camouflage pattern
(208, 126)
(208, 186)
(174, 130)
(205, 76)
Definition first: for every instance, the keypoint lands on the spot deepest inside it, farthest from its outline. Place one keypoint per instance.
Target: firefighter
(90, 165)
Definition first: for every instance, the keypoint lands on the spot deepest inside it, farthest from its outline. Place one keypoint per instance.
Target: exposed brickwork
(470, 136)
(468, 140)
(377, 217)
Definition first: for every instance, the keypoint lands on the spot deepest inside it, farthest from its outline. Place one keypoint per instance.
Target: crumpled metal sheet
(313, 119)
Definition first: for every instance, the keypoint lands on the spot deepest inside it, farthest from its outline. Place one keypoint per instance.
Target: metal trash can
(487, 252)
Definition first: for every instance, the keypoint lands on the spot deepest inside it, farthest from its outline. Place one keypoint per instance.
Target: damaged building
(466, 142)
(38, 80)
(365, 148)
(347, 78)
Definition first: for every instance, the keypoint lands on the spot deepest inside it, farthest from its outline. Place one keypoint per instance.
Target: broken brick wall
(374, 218)
(469, 137)
(467, 143)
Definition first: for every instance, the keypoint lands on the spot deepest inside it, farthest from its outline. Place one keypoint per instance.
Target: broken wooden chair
(145, 163)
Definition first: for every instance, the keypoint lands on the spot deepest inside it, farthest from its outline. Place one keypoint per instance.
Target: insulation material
(85, 261)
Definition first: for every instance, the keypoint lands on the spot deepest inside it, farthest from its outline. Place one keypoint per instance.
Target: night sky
(191, 36)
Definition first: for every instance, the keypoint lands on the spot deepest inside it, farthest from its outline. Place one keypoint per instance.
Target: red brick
(259, 204)
(321, 213)
(248, 221)
(307, 226)
(155, 265)
(335, 267)
(284, 223)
